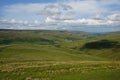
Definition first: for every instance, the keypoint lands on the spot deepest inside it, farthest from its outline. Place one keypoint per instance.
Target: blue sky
(9, 2)
(61, 14)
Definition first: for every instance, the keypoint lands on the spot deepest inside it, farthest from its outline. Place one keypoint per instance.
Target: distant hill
(44, 36)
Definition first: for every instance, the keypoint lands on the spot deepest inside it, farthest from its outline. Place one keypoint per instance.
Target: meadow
(59, 55)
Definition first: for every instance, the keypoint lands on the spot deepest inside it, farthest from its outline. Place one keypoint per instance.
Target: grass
(57, 55)
(39, 52)
(64, 70)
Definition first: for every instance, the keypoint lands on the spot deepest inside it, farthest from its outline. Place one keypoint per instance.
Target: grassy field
(59, 55)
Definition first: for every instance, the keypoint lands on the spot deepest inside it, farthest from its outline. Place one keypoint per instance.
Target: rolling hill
(45, 44)
(59, 55)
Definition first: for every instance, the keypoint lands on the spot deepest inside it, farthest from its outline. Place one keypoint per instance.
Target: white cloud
(36, 22)
(51, 9)
(87, 7)
(62, 17)
(98, 17)
(49, 20)
(114, 17)
(110, 20)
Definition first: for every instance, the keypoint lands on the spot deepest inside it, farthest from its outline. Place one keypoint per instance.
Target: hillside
(106, 46)
(63, 45)
(41, 45)
(10, 36)
(59, 55)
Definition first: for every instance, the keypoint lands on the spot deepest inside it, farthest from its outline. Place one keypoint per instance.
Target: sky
(80, 15)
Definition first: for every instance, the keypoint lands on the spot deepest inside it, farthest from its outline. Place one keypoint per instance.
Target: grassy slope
(63, 45)
(110, 53)
(55, 55)
(41, 45)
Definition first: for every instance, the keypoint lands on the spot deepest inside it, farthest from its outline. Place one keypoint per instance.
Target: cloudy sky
(81, 15)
